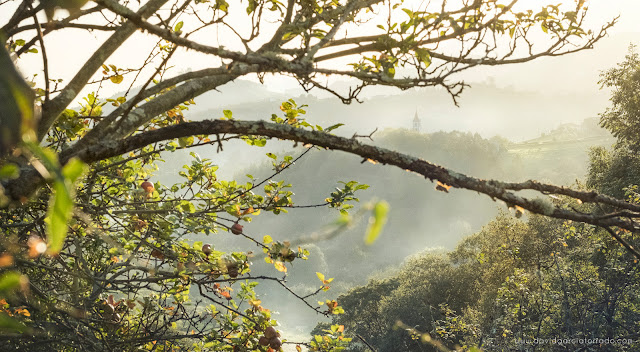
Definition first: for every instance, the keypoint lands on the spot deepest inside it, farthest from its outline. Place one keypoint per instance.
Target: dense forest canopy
(97, 254)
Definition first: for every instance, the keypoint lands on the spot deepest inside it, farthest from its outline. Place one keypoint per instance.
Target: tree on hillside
(119, 267)
(531, 282)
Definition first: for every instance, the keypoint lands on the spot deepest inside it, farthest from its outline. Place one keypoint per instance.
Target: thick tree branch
(144, 113)
(495, 189)
(52, 109)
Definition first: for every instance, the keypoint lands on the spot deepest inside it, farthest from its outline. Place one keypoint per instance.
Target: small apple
(236, 229)
(147, 186)
(206, 249)
(232, 270)
(270, 332)
(263, 341)
(275, 343)
(156, 253)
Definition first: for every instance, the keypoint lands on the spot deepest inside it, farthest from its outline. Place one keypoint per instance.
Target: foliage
(129, 275)
(622, 118)
(513, 282)
(95, 255)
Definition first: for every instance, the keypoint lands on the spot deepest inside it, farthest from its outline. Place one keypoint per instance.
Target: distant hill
(485, 109)
(551, 155)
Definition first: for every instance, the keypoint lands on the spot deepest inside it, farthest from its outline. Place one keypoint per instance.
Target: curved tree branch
(110, 147)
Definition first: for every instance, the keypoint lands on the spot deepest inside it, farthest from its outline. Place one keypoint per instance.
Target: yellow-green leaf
(8, 323)
(58, 215)
(117, 79)
(376, 222)
(10, 280)
(280, 266)
(74, 169)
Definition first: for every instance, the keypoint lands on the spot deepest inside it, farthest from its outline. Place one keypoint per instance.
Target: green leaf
(185, 141)
(178, 26)
(288, 35)
(73, 170)
(544, 27)
(58, 215)
(228, 114)
(171, 146)
(333, 127)
(8, 323)
(187, 206)
(267, 239)
(376, 222)
(9, 171)
(10, 281)
(47, 156)
(424, 56)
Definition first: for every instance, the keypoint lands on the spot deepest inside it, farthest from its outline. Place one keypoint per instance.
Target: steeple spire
(417, 124)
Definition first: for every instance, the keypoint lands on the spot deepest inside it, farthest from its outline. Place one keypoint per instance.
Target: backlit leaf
(376, 222)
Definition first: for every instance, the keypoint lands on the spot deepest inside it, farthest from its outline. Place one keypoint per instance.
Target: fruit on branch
(147, 186)
(236, 229)
(156, 253)
(275, 343)
(109, 309)
(232, 270)
(263, 341)
(270, 332)
(140, 224)
(206, 249)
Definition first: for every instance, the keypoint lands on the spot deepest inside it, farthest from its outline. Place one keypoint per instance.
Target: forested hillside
(420, 217)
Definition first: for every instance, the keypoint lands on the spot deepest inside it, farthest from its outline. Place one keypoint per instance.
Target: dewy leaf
(58, 215)
(376, 222)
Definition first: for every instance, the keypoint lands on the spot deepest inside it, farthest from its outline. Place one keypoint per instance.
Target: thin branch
(45, 62)
(55, 106)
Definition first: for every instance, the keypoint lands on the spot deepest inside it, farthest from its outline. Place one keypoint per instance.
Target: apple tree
(95, 255)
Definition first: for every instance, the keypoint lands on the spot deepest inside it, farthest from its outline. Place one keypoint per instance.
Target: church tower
(417, 124)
